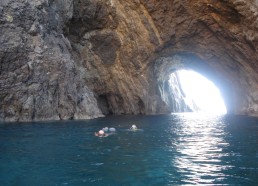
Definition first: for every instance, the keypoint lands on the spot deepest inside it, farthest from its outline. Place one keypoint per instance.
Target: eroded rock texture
(77, 59)
(39, 79)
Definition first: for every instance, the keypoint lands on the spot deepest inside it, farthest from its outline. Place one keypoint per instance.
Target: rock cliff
(78, 59)
(39, 77)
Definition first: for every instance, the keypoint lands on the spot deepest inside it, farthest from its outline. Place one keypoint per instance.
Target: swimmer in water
(105, 129)
(112, 130)
(133, 127)
(101, 133)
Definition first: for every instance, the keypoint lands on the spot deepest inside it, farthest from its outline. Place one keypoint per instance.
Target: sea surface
(177, 149)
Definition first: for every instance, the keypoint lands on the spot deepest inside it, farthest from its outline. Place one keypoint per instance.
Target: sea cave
(62, 60)
(93, 92)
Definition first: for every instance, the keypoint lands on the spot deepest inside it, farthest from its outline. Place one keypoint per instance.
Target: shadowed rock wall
(77, 59)
(39, 79)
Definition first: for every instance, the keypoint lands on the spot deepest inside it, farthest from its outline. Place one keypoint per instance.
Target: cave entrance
(167, 70)
(200, 93)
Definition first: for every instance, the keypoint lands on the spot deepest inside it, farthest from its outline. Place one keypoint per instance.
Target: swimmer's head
(105, 129)
(112, 129)
(134, 127)
(101, 132)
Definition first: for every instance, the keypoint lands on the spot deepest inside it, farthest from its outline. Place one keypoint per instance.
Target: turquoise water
(178, 149)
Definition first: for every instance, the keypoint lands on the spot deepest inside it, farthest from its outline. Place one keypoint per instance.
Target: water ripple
(178, 149)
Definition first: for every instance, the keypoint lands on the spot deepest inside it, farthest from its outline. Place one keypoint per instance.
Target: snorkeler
(101, 133)
(133, 127)
(112, 130)
(105, 129)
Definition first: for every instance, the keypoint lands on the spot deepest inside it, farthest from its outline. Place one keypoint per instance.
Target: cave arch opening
(199, 93)
(166, 69)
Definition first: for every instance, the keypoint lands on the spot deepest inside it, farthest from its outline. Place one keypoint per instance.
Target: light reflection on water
(178, 149)
(199, 149)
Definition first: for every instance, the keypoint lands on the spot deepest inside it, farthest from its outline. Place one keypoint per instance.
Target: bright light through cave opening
(201, 92)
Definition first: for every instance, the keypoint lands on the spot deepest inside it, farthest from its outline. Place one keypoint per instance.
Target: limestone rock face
(74, 59)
